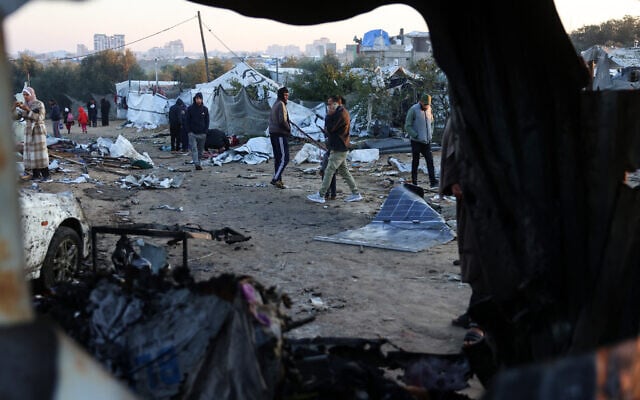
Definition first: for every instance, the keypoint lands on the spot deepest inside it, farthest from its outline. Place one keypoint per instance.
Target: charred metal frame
(123, 230)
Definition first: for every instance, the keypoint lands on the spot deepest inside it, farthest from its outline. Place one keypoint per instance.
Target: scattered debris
(167, 207)
(151, 181)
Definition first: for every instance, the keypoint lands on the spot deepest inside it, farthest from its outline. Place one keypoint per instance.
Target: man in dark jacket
(279, 132)
(92, 111)
(176, 117)
(105, 106)
(55, 117)
(337, 126)
(197, 124)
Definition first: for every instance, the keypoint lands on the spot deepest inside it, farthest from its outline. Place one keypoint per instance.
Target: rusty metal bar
(15, 305)
(73, 374)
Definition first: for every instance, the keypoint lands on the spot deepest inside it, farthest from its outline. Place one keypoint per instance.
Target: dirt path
(407, 298)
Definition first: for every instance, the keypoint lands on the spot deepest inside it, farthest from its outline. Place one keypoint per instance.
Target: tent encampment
(237, 113)
(144, 103)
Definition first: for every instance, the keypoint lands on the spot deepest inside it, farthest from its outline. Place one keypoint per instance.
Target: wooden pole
(204, 48)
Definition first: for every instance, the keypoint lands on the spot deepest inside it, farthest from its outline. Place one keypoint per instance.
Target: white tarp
(121, 148)
(147, 110)
(123, 89)
(364, 155)
(257, 150)
(308, 153)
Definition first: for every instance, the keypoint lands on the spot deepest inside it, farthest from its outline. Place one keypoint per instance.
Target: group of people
(188, 128)
(65, 118)
(337, 131)
(418, 124)
(35, 153)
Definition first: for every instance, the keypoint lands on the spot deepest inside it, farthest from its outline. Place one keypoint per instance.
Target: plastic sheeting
(257, 150)
(308, 153)
(364, 155)
(376, 38)
(405, 223)
(122, 148)
(238, 115)
(147, 110)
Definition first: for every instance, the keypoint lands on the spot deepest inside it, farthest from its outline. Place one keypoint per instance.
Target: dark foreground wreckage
(543, 169)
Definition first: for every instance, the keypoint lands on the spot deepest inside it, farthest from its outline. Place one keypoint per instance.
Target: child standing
(83, 119)
(68, 120)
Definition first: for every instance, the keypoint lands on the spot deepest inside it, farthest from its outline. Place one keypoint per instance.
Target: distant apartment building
(103, 42)
(171, 50)
(320, 48)
(81, 50)
(276, 50)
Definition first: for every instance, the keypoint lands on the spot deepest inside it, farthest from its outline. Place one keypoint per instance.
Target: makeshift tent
(239, 114)
(147, 110)
(139, 96)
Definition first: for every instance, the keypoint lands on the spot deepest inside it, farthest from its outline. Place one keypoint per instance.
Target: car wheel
(63, 257)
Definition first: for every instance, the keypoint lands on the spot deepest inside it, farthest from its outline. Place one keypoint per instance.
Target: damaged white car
(56, 235)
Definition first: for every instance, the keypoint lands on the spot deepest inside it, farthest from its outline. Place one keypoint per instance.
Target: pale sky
(45, 25)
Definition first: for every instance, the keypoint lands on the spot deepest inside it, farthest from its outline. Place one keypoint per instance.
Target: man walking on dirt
(337, 125)
(418, 124)
(197, 124)
(279, 132)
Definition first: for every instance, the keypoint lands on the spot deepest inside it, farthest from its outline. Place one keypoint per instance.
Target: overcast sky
(45, 25)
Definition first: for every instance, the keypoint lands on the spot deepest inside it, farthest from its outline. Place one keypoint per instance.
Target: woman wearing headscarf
(35, 154)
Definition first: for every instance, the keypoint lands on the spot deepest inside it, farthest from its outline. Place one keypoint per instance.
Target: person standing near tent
(55, 117)
(105, 106)
(92, 109)
(35, 154)
(197, 124)
(419, 126)
(279, 133)
(337, 124)
(176, 118)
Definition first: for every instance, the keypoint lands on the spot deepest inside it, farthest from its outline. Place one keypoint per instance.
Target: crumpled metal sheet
(405, 223)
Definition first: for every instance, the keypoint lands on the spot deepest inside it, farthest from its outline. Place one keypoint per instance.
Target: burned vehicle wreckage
(556, 227)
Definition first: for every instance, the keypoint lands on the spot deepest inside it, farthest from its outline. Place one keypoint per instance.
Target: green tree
(24, 69)
(100, 72)
(321, 79)
(218, 67)
(57, 81)
(289, 62)
(432, 81)
(194, 73)
(362, 61)
(615, 32)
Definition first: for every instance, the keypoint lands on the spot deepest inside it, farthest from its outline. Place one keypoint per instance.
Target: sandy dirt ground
(408, 298)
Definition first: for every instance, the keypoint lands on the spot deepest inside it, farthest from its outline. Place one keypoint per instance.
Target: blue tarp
(369, 39)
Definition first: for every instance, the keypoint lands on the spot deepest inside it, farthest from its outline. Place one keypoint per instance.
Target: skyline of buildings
(401, 49)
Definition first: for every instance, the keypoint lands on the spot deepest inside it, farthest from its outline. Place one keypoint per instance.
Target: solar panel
(405, 222)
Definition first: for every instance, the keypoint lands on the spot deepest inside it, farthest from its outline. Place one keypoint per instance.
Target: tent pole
(204, 49)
